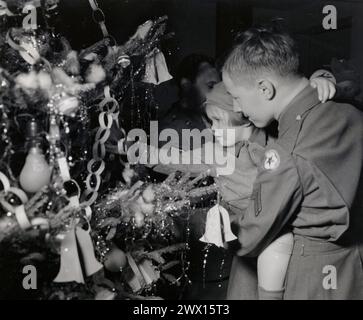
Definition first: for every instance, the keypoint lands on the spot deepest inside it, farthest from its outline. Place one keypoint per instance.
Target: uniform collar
(303, 101)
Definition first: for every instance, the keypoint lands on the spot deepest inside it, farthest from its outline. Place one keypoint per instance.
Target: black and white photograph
(177, 155)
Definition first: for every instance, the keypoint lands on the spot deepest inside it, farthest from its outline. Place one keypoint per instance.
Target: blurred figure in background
(195, 77)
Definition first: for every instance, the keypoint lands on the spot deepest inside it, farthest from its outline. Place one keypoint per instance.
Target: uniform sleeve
(277, 194)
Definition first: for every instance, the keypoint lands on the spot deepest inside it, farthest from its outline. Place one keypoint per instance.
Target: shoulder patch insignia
(272, 160)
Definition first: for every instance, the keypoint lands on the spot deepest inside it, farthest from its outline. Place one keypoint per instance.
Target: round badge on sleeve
(272, 160)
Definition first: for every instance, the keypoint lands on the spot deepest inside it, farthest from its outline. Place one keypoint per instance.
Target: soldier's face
(249, 100)
(207, 77)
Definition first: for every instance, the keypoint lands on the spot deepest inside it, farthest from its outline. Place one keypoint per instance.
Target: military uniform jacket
(309, 178)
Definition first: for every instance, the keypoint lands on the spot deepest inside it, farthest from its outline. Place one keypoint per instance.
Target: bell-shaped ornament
(70, 265)
(228, 234)
(156, 70)
(90, 263)
(217, 227)
(77, 257)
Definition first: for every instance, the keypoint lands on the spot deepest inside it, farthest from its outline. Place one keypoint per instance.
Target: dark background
(208, 26)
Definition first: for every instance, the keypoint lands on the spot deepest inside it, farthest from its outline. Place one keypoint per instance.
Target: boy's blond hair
(220, 98)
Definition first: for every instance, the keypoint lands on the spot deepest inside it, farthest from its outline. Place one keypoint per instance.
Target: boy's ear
(267, 89)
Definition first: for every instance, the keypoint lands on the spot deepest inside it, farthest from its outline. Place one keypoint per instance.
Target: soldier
(309, 180)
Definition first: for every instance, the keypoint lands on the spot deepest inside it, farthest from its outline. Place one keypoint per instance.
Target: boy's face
(251, 101)
(221, 126)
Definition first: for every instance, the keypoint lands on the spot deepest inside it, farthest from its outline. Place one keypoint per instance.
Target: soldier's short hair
(262, 49)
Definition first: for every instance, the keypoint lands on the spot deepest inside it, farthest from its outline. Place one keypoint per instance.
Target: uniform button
(298, 118)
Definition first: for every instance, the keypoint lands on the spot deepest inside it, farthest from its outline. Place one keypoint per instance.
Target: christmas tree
(87, 232)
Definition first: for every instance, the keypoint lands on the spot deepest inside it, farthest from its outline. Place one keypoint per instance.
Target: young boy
(273, 261)
(309, 179)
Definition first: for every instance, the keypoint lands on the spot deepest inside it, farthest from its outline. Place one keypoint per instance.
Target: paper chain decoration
(96, 165)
